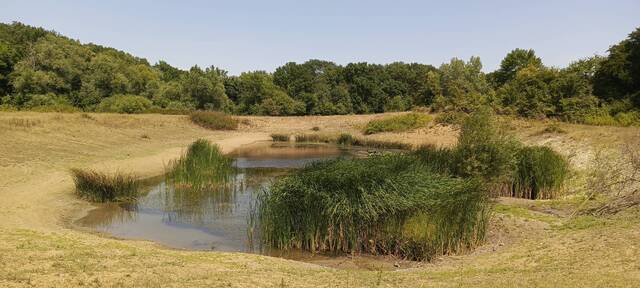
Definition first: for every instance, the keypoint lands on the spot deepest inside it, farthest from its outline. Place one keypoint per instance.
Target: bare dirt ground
(526, 247)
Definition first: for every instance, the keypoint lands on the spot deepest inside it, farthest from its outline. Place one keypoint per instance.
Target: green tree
(618, 76)
(516, 60)
(463, 86)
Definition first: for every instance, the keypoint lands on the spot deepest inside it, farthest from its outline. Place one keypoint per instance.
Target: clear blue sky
(262, 35)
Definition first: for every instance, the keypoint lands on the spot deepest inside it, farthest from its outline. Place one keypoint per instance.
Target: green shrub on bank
(202, 166)
(484, 149)
(399, 123)
(100, 187)
(380, 205)
(214, 120)
(130, 104)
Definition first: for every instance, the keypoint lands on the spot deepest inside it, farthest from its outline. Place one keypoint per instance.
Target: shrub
(345, 139)
(398, 123)
(451, 118)
(540, 173)
(214, 120)
(380, 205)
(49, 103)
(484, 149)
(130, 104)
(101, 187)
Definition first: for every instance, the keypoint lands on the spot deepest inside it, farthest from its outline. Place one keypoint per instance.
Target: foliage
(540, 173)
(201, 167)
(379, 205)
(484, 149)
(214, 120)
(399, 123)
(36, 62)
(129, 104)
(101, 187)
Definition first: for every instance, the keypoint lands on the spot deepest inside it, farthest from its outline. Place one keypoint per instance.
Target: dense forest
(44, 71)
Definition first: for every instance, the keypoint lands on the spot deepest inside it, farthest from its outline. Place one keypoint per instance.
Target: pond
(217, 219)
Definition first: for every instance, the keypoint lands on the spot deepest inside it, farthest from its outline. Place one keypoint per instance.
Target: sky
(242, 35)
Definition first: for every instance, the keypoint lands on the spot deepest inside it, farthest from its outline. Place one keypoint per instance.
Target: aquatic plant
(399, 123)
(540, 173)
(315, 138)
(280, 137)
(381, 205)
(437, 159)
(101, 187)
(201, 166)
(214, 120)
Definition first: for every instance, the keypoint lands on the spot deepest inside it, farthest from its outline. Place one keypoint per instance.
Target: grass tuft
(203, 166)
(100, 187)
(214, 120)
(399, 123)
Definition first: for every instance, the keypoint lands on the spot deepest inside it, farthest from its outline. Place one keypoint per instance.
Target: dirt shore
(37, 247)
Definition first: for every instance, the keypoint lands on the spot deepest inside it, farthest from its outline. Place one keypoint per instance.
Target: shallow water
(211, 220)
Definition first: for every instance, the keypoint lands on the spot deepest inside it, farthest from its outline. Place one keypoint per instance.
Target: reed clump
(101, 187)
(280, 137)
(383, 204)
(399, 123)
(540, 173)
(202, 166)
(315, 138)
(214, 120)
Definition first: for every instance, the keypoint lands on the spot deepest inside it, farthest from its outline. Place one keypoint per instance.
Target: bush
(214, 120)
(380, 205)
(484, 149)
(130, 104)
(451, 118)
(101, 187)
(398, 123)
(49, 103)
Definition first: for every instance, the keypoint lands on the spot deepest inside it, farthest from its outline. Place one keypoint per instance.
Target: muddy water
(219, 219)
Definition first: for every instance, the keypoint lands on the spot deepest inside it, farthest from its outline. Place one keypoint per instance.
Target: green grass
(280, 137)
(398, 123)
(201, 167)
(524, 213)
(100, 187)
(214, 120)
(380, 205)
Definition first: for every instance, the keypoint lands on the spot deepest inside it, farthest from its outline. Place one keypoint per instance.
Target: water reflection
(212, 218)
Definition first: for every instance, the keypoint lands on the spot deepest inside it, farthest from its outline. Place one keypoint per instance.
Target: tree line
(43, 70)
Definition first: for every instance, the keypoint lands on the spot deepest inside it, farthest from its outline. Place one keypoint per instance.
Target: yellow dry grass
(38, 247)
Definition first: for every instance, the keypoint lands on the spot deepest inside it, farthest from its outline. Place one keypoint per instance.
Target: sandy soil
(37, 247)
